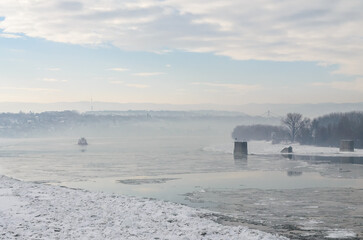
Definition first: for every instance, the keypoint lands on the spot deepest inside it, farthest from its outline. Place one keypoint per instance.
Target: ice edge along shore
(31, 210)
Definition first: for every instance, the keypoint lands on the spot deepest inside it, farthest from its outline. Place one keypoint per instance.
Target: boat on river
(82, 142)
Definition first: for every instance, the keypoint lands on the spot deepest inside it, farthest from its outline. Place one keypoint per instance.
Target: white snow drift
(37, 211)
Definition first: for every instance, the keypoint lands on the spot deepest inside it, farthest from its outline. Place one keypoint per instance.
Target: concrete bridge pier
(240, 149)
(346, 146)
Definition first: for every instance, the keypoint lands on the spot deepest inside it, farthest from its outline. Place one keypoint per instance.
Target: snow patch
(51, 212)
(7, 200)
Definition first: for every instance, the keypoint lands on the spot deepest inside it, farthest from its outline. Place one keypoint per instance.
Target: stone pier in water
(346, 146)
(240, 149)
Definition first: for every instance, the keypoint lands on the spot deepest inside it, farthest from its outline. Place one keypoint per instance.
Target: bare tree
(294, 122)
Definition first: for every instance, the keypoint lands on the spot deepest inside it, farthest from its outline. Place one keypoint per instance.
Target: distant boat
(82, 142)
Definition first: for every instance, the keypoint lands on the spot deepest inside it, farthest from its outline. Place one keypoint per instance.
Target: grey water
(305, 197)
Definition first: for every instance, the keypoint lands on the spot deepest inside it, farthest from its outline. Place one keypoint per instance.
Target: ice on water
(294, 198)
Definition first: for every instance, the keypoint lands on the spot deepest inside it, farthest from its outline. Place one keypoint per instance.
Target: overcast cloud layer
(325, 31)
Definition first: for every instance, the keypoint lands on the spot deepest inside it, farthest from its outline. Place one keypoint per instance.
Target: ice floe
(340, 234)
(138, 181)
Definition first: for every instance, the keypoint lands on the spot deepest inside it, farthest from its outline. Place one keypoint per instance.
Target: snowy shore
(267, 148)
(38, 211)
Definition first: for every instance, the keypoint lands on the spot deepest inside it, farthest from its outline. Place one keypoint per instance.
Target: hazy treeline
(36, 124)
(123, 123)
(326, 130)
(260, 132)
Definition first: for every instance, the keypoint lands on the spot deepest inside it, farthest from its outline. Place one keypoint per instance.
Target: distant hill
(266, 110)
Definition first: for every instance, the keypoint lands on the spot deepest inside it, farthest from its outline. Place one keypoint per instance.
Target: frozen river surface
(302, 197)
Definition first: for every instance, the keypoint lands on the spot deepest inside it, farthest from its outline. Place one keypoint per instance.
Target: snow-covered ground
(266, 148)
(38, 211)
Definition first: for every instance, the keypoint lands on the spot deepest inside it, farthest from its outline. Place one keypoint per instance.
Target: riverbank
(267, 148)
(30, 210)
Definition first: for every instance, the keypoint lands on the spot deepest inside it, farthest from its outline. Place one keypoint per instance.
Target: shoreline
(32, 210)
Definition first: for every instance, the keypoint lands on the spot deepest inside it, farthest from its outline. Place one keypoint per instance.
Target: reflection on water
(289, 156)
(329, 159)
(241, 162)
(316, 159)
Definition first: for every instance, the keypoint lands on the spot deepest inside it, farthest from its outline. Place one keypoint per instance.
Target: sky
(181, 52)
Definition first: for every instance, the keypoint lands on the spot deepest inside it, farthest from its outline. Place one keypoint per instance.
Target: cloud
(323, 31)
(53, 69)
(132, 85)
(355, 85)
(162, 52)
(229, 86)
(116, 82)
(7, 35)
(147, 74)
(30, 89)
(53, 80)
(137, 85)
(118, 69)
(70, 5)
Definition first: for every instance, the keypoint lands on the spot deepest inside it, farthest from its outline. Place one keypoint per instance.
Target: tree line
(326, 130)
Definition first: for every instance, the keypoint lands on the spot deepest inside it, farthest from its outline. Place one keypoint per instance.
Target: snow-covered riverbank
(38, 211)
(267, 148)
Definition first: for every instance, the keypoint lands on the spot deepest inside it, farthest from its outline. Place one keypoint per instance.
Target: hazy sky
(181, 51)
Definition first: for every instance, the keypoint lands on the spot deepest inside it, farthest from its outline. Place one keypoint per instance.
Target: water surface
(299, 197)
